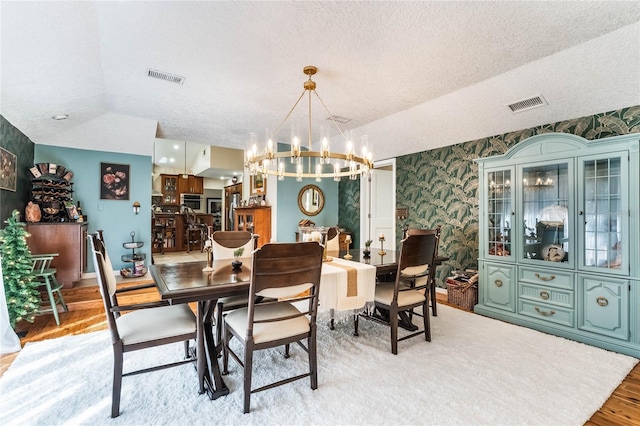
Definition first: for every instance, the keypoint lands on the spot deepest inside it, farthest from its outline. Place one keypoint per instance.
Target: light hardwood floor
(87, 314)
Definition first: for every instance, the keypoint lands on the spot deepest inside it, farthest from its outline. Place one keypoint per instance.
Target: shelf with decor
(559, 238)
(52, 191)
(138, 267)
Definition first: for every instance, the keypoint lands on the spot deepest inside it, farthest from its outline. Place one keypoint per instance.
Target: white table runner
(333, 286)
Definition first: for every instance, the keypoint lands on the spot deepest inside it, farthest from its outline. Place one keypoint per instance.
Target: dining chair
(333, 239)
(146, 325)
(420, 280)
(224, 243)
(194, 232)
(417, 256)
(283, 272)
(46, 276)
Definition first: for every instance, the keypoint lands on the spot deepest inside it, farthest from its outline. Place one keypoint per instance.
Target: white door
(378, 201)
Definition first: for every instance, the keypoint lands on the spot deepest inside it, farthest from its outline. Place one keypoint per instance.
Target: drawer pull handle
(602, 301)
(498, 283)
(552, 277)
(543, 313)
(544, 295)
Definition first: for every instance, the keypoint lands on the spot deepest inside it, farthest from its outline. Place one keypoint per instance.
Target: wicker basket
(462, 294)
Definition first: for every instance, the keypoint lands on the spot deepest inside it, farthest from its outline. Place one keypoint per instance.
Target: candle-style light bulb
(280, 170)
(299, 172)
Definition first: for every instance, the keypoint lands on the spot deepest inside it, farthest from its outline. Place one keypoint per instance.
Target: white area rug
(475, 371)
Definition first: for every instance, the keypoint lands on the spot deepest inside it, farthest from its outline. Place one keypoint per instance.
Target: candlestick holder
(381, 252)
(208, 248)
(209, 266)
(347, 240)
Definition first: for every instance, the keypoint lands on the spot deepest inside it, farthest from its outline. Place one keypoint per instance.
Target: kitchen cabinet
(191, 185)
(69, 240)
(170, 192)
(559, 233)
(256, 220)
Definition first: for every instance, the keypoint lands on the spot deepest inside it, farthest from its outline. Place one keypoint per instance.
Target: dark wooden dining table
(188, 283)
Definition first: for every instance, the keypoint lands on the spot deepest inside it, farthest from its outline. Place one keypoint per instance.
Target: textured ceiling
(411, 75)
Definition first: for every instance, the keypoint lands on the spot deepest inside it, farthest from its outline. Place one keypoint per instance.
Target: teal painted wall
(114, 217)
(440, 186)
(15, 142)
(289, 214)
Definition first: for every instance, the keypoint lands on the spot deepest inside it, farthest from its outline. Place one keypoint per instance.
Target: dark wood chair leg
(393, 318)
(219, 325)
(313, 360)
(225, 351)
(432, 288)
(355, 324)
(248, 366)
(117, 381)
(426, 321)
(286, 350)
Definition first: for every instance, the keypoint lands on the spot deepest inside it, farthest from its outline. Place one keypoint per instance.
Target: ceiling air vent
(165, 76)
(536, 101)
(339, 119)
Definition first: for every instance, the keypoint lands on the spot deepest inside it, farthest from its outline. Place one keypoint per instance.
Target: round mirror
(310, 200)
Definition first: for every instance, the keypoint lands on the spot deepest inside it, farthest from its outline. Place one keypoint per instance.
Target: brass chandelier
(271, 162)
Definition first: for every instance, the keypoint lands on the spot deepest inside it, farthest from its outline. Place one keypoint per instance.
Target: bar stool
(45, 275)
(194, 232)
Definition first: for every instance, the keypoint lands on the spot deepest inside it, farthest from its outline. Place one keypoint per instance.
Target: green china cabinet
(560, 238)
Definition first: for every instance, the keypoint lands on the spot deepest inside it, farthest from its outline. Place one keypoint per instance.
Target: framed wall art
(8, 170)
(258, 184)
(114, 181)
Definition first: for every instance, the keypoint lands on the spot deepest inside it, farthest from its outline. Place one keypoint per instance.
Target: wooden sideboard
(69, 240)
(257, 220)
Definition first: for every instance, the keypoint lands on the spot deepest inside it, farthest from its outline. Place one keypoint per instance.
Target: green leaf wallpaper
(14, 141)
(439, 187)
(349, 208)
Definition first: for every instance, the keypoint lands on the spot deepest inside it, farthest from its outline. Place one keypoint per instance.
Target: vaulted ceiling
(411, 75)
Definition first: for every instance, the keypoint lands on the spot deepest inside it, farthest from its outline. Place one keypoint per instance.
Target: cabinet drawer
(548, 295)
(547, 278)
(545, 312)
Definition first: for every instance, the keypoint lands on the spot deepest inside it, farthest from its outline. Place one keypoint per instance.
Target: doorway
(378, 203)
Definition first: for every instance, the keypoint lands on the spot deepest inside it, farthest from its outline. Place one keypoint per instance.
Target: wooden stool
(46, 276)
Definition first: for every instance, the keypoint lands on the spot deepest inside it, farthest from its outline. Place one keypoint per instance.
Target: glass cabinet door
(170, 190)
(499, 212)
(248, 226)
(240, 222)
(604, 214)
(545, 213)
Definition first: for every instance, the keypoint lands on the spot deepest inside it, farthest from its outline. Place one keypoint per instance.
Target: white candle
(381, 236)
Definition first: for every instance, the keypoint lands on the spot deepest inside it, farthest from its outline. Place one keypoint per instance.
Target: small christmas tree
(21, 291)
